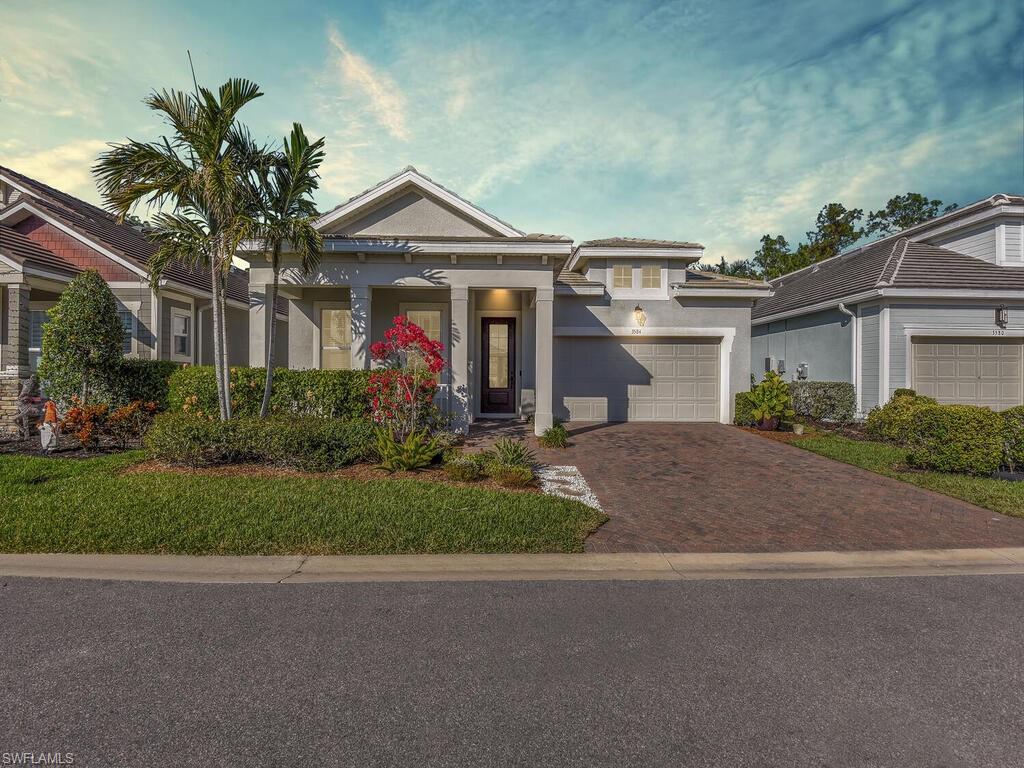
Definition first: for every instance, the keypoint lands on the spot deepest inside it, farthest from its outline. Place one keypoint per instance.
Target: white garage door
(638, 380)
(967, 370)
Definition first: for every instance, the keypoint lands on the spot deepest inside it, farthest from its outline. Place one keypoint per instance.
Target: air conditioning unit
(769, 364)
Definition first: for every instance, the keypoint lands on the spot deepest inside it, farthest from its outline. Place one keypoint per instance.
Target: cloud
(386, 102)
(66, 167)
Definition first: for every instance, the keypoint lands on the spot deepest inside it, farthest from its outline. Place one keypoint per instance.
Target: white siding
(1014, 243)
(979, 243)
(869, 346)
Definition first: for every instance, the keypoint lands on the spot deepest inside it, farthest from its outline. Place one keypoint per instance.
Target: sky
(690, 120)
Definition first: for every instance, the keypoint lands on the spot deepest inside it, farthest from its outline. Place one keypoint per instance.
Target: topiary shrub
(328, 394)
(744, 410)
(834, 401)
(892, 421)
(82, 342)
(964, 439)
(1013, 438)
(307, 443)
(556, 436)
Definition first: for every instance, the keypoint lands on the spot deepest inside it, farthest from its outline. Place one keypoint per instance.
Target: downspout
(855, 352)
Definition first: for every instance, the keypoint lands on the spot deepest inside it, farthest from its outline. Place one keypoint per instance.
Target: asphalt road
(858, 672)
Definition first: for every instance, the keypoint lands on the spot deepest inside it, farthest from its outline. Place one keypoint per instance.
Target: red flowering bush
(129, 423)
(403, 385)
(85, 422)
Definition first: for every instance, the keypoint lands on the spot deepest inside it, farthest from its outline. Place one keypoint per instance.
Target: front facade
(533, 327)
(938, 308)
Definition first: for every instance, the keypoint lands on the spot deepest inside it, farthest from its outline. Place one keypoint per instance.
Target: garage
(974, 371)
(650, 379)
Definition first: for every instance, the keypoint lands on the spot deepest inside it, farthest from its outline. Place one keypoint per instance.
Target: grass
(61, 505)
(891, 461)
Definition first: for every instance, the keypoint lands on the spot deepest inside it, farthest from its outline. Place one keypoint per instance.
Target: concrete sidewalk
(641, 566)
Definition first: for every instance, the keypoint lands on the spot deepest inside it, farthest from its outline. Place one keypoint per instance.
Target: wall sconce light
(639, 315)
(1002, 316)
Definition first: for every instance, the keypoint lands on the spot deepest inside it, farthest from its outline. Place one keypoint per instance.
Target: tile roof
(636, 242)
(123, 239)
(901, 263)
(23, 250)
(531, 238)
(575, 280)
(698, 278)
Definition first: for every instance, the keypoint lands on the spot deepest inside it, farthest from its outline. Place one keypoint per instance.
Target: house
(938, 308)
(533, 325)
(47, 237)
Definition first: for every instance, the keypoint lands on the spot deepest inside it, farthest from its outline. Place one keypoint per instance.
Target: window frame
(133, 308)
(36, 352)
(318, 348)
(186, 314)
(446, 329)
(629, 269)
(646, 267)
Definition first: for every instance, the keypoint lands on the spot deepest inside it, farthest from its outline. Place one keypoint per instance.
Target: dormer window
(622, 276)
(650, 276)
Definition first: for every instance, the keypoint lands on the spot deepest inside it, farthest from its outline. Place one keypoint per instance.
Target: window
(181, 335)
(622, 276)
(37, 320)
(431, 318)
(335, 338)
(650, 276)
(127, 318)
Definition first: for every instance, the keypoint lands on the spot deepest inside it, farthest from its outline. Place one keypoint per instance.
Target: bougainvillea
(404, 382)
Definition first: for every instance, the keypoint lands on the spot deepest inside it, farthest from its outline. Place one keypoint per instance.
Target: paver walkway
(716, 488)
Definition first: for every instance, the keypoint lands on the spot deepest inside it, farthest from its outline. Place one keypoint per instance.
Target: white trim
(859, 370)
(883, 354)
(447, 248)
(679, 291)
(318, 308)
(415, 179)
(11, 263)
(1001, 244)
(586, 252)
(477, 359)
(27, 206)
(154, 322)
(189, 315)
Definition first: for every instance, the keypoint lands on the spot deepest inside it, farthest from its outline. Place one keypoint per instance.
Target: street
(848, 672)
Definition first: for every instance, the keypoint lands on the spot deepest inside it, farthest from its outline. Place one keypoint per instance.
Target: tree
(836, 230)
(84, 340)
(286, 214)
(742, 268)
(903, 212)
(774, 257)
(202, 173)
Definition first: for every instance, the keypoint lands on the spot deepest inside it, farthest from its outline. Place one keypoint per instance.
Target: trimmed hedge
(145, 380)
(893, 420)
(1013, 437)
(834, 401)
(327, 394)
(744, 410)
(964, 439)
(312, 444)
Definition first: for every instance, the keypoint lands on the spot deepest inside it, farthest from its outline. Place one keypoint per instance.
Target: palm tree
(200, 172)
(287, 215)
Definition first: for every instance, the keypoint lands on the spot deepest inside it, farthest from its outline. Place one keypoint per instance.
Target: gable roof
(26, 252)
(637, 242)
(902, 263)
(408, 178)
(101, 228)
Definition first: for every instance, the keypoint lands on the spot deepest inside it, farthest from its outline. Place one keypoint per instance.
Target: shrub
(127, 424)
(307, 443)
(892, 421)
(1013, 438)
(965, 439)
(904, 392)
(834, 401)
(143, 380)
(556, 436)
(86, 423)
(514, 453)
(82, 342)
(770, 401)
(416, 451)
(313, 393)
(744, 410)
(464, 469)
(510, 475)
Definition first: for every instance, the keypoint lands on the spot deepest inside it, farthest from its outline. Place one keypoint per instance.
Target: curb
(295, 569)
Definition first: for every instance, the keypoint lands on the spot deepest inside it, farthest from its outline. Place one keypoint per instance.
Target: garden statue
(49, 430)
(30, 406)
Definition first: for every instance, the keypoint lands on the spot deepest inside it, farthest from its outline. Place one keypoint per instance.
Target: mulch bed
(361, 472)
(67, 448)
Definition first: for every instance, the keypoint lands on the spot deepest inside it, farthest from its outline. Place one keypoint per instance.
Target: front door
(498, 355)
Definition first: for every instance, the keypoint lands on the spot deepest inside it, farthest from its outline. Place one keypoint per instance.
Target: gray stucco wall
(412, 214)
(237, 332)
(823, 340)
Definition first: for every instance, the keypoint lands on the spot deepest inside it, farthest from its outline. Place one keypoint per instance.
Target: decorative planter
(1013, 477)
(798, 429)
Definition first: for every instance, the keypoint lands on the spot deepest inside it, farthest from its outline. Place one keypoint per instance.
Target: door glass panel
(497, 369)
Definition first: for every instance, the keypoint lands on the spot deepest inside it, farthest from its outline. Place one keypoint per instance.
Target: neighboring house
(938, 307)
(616, 329)
(47, 237)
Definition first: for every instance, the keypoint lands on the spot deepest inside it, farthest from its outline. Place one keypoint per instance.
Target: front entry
(498, 369)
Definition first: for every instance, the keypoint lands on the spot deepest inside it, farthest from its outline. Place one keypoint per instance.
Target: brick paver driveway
(716, 488)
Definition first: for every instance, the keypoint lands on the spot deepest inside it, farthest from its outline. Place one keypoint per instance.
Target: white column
(259, 326)
(544, 331)
(360, 298)
(460, 399)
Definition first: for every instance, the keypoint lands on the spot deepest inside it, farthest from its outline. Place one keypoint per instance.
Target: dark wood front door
(498, 369)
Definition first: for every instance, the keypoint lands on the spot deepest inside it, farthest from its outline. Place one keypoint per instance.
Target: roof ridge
(904, 242)
(59, 196)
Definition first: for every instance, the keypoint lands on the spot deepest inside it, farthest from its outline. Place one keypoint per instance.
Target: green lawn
(998, 495)
(64, 505)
